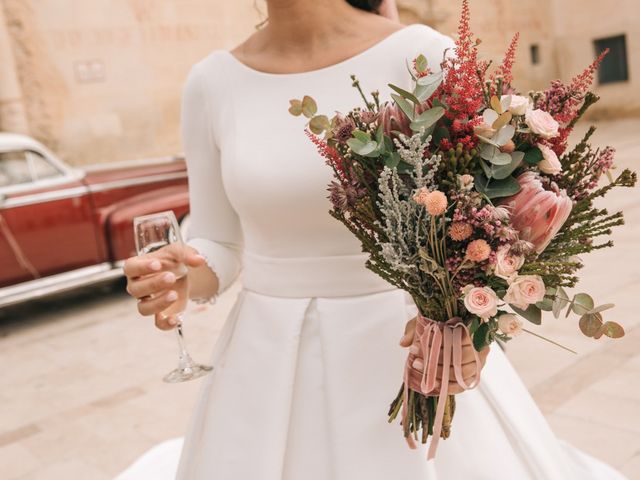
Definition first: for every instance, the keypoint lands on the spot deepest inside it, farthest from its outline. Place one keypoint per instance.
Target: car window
(14, 168)
(41, 167)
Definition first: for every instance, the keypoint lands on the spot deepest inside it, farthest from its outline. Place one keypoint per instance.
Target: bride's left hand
(468, 370)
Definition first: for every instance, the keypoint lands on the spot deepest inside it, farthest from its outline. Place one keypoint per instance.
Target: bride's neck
(305, 24)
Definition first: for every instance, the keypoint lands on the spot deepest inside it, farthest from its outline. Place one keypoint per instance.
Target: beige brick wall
(564, 31)
(100, 80)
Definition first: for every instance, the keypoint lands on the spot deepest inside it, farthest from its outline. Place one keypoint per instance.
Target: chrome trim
(100, 187)
(100, 167)
(82, 190)
(45, 197)
(58, 283)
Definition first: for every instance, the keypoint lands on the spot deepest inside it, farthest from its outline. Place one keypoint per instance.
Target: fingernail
(401, 340)
(168, 277)
(172, 295)
(200, 257)
(414, 349)
(155, 265)
(173, 321)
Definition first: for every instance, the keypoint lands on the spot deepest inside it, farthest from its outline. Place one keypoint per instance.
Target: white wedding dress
(308, 360)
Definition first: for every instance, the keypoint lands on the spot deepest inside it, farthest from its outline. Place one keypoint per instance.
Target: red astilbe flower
(331, 156)
(461, 87)
(505, 70)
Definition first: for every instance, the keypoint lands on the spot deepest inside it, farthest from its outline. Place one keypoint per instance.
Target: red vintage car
(62, 227)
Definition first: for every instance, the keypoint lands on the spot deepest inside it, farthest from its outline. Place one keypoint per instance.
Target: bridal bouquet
(465, 194)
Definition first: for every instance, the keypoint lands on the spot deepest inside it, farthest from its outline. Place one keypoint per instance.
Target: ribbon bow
(430, 337)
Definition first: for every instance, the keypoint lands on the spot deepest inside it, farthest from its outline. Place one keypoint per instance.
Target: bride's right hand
(150, 277)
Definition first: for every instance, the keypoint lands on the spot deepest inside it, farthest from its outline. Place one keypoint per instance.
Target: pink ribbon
(430, 337)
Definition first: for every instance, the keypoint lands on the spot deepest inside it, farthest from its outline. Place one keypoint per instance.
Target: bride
(308, 360)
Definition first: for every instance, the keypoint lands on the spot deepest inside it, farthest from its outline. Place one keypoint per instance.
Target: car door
(46, 224)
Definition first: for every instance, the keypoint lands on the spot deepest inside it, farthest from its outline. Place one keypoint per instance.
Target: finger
(150, 285)
(157, 304)
(194, 259)
(409, 331)
(135, 267)
(165, 322)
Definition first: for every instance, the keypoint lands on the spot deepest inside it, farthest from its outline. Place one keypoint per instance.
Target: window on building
(614, 66)
(535, 54)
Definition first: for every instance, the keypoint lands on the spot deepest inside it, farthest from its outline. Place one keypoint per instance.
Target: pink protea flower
(392, 118)
(538, 214)
(478, 250)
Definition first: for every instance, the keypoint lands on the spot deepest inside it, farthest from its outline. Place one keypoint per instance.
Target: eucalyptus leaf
(486, 168)
(296, 107)
(424, 90)
(427, 118)
(505, 133)
(502, 121)
(532, 313)
(503, 171)
(404, 94)
(546, 304)
(496, 105)
(559, 302)
(319, 124)
(364, 137)
(602, 308)
(582, 303)
(421, 63)
(590, 323)
(309, 106)
(501, 159)
(404, 105)
(362, 148)
(430, 79)
(613, 330)
(488, 152)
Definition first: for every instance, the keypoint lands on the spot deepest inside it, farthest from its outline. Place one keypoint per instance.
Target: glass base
(186, 373)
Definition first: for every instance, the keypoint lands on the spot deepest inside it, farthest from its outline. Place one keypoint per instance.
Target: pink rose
(518, 104)
(481, 301)
(510, 324)
(550, 163)
(542, 123)
(507, 264)
(525, 290)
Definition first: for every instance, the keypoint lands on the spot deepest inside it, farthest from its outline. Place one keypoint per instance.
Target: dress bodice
(257, 184)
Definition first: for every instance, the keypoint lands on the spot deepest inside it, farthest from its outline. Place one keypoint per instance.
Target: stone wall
(100, 80)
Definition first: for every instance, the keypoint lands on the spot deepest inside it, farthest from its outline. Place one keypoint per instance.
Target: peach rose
(510, 324)
(518, 104)
(481, 301)
(525, 290)
(542, 123)
(550, 164)
(507, 264)
(478, 250)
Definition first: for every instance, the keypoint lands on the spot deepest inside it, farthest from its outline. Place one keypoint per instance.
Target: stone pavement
(81, 395)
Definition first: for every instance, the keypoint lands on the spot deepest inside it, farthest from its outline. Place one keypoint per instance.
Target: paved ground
(81, 393)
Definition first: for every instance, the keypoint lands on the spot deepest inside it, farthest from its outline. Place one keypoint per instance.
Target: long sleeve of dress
(214, 228)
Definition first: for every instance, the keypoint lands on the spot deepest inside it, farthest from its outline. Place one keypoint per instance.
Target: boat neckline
(326, 68)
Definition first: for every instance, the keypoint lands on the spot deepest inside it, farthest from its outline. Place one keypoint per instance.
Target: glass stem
(185, 358)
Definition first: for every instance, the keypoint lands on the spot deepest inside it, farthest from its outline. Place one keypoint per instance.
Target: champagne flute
(161, 230)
